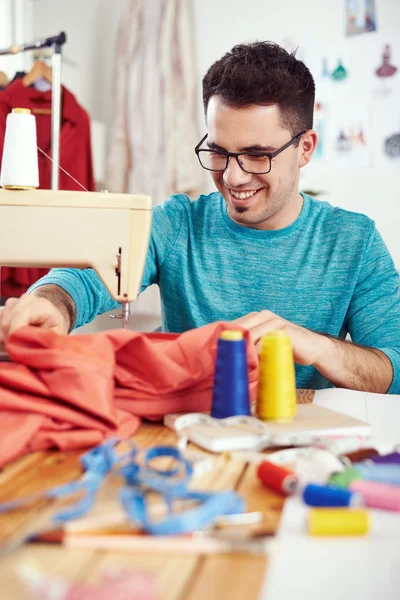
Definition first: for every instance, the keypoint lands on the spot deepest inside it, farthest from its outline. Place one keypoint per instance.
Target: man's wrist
(61, 300)
(326, 352)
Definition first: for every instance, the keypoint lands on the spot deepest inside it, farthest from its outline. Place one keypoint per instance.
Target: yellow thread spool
(338, 521)
(277, 383)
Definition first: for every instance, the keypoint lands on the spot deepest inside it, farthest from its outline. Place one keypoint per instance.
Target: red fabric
(75, 158)
(75, 391)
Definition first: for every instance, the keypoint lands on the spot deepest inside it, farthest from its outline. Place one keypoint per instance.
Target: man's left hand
(308, 346)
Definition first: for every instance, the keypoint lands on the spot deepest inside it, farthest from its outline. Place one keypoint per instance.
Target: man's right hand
(31, 310)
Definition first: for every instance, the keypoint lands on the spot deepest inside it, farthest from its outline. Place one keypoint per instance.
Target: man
(257, 252)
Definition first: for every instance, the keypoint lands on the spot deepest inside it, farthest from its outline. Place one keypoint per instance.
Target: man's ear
(308, 143)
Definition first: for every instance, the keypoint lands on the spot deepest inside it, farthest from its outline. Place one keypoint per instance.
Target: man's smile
(243, 198)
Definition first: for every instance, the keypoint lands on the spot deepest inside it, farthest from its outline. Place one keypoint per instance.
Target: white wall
(318, 28)
(15, 28)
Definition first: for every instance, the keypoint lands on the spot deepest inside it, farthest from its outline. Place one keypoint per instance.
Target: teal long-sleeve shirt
(329, 271)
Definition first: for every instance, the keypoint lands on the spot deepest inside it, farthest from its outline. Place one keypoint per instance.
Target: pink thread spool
(377, 495)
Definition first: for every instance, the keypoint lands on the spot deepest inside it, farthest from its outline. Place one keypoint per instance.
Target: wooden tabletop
(178, 576)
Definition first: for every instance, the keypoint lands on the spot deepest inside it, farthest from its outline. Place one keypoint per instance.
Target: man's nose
(234, 176)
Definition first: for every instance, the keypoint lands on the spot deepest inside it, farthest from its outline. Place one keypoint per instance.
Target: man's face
(270, 198)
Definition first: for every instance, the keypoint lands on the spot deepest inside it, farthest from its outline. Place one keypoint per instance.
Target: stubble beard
(252, 217)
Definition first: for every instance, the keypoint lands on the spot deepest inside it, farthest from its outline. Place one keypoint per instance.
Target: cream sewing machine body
(107, 232)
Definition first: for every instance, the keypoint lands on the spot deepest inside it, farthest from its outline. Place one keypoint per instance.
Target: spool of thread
(231, 382)
(317, 467)
(343, 480)
(277, 383)
(338, 521)
(362, 454)
(377, 495)
(277, 478)
(380, 473)
(20, 168)
(328, 495)
(386, 459)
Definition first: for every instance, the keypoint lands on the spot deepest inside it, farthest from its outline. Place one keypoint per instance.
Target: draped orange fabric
(75, 391)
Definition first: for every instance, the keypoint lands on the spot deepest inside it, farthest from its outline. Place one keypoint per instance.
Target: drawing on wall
(386, 125)
(340, 73)
(325, 73)
(360, 16)
(386, 69)
(392, 145)
(348, 137)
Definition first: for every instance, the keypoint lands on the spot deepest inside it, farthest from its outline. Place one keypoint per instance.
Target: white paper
(340, 568)
(381, 411)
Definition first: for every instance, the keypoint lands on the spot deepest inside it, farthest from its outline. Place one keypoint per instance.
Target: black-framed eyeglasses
(255, 163)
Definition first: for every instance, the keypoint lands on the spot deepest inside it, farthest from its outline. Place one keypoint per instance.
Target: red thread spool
(278, 478)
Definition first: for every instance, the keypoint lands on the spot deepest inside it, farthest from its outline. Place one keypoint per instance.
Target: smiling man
(257, 252)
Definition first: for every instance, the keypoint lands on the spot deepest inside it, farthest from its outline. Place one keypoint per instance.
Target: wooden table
(178, 577)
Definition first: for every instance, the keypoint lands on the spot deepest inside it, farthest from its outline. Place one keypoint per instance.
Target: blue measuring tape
(97, 463)
(171, 485)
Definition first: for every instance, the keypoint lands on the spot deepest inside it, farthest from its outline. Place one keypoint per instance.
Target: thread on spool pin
(231, 382)
(277, 478)
(20, 168)
(66, 172)
(277, 382)
(338, 521)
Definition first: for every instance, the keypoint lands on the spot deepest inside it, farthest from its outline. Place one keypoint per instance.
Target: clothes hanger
(4, 81)
(39, 71)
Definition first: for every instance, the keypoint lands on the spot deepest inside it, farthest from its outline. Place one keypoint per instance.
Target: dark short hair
(263, 73)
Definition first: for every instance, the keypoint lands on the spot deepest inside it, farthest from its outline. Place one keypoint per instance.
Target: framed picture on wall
(360, 16)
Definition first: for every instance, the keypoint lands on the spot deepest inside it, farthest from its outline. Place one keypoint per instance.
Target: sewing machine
(107, 232)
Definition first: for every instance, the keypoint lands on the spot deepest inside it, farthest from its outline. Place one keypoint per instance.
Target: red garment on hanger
(75, 157)
(75, 391)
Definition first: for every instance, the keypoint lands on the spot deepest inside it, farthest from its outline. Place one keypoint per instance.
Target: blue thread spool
(328, 495)
(231, 381)
(380, 473)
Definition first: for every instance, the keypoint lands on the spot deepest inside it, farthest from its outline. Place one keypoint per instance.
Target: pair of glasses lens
(218, 161)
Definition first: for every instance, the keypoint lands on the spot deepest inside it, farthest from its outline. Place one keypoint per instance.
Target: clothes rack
(55, 42)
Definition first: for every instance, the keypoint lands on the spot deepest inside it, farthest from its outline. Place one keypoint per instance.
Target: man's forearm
(355, 367)
(61, 300)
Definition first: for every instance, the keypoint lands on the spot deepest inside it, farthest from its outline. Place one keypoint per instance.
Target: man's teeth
(243, 195)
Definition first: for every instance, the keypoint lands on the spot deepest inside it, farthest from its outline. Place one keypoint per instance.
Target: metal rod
(55, 116)
(126, 313)
(59, 39)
